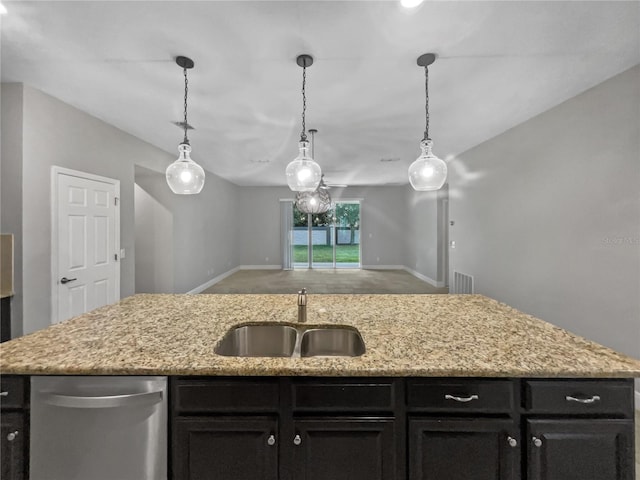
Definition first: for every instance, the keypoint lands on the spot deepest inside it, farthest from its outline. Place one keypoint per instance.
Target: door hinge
(115, 201)
(115, 255)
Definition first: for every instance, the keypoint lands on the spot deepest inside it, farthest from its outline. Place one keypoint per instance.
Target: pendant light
(303, 174)
(427, 172)
(184, 176)
(318, 201)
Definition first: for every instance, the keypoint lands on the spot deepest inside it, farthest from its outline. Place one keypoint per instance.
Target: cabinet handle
(271, 440)
(12, 436)
(297, 440)
(4, 394)
(536, 442)
(594, 399)
(512, 442)
(462, 399)
(110, 401)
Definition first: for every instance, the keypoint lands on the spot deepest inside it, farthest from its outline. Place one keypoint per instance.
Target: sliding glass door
(327, 240)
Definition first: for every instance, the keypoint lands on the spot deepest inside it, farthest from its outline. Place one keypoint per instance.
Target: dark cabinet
(283, 428)
(344, 448)
(14, 432)
(463, 449)
(299, 428)
(579, 429)
(580, 449)
(225, 448)
(12, 446)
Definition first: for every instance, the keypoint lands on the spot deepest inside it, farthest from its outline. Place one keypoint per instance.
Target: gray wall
(184, 240)
(422, 233)
(548, 214)
(11, 189)
(383, 223)
(154, 241)
(54, 133)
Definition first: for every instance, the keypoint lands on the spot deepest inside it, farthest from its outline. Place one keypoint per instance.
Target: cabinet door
(580, 449)
(463, 449)
(344, 449)
(12, 445)
(225, 448)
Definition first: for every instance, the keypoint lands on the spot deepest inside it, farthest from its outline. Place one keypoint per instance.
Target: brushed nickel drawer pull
(271, 440)
(462, 399)
(512, 442)
(12, 436)
(536, 442)
(4, 394)
(594, 399)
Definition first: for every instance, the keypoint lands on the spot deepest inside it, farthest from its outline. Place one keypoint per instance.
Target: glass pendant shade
(318, 201)
(427, 172)
(184, 176)
(303, 173)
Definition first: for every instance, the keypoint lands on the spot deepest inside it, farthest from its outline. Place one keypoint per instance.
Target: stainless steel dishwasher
(98, 428)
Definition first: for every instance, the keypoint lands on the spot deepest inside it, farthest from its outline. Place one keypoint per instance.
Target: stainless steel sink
(281, 340)
(259, 341)
(331, 341)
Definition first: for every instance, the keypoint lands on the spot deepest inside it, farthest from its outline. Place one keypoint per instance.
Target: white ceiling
(500, 63)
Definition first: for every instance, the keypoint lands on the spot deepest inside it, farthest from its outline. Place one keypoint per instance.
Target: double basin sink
(283, 340)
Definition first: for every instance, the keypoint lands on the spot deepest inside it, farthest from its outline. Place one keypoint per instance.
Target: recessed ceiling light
(410, 3)
(3, 9)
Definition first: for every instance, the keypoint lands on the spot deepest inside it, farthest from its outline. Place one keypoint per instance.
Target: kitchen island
(448, 384)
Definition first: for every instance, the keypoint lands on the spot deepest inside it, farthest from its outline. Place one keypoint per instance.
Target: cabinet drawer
(345, 395)
(579, 396)
(12, 391)
(482, 396)
(225, 395)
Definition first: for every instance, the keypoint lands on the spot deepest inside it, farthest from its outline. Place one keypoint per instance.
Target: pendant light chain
(426, 107)
(186, 91)
(303, 134)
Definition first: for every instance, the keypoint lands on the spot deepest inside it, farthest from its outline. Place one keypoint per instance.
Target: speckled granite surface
(405, 335)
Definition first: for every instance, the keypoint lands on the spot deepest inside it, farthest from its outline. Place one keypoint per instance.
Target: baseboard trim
(637, 400)
(213, 281)
(260, 267)
(424, 278)
(383, 267)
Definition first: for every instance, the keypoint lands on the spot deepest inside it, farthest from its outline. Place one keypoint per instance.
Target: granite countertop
(405, 335)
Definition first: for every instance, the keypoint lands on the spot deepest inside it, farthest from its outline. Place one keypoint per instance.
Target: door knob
(297, 440)
(537, 442)
(12, 436)
(64, 280)
(271, 440)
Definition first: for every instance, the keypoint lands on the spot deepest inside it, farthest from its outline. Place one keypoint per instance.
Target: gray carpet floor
(323, 281)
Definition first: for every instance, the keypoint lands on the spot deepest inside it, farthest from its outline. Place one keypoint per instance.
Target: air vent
(462, 283)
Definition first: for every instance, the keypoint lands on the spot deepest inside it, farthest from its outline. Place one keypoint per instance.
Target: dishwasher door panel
(98, 428)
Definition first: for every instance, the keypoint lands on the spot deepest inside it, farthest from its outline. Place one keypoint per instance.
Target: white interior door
(86, 242)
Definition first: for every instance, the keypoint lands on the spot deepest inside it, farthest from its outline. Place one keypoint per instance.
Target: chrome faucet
(302, 305)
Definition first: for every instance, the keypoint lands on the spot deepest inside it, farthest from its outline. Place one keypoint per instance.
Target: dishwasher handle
(109, 401)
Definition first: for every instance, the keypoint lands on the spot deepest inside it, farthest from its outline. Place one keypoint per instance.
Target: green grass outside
(324, 253)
